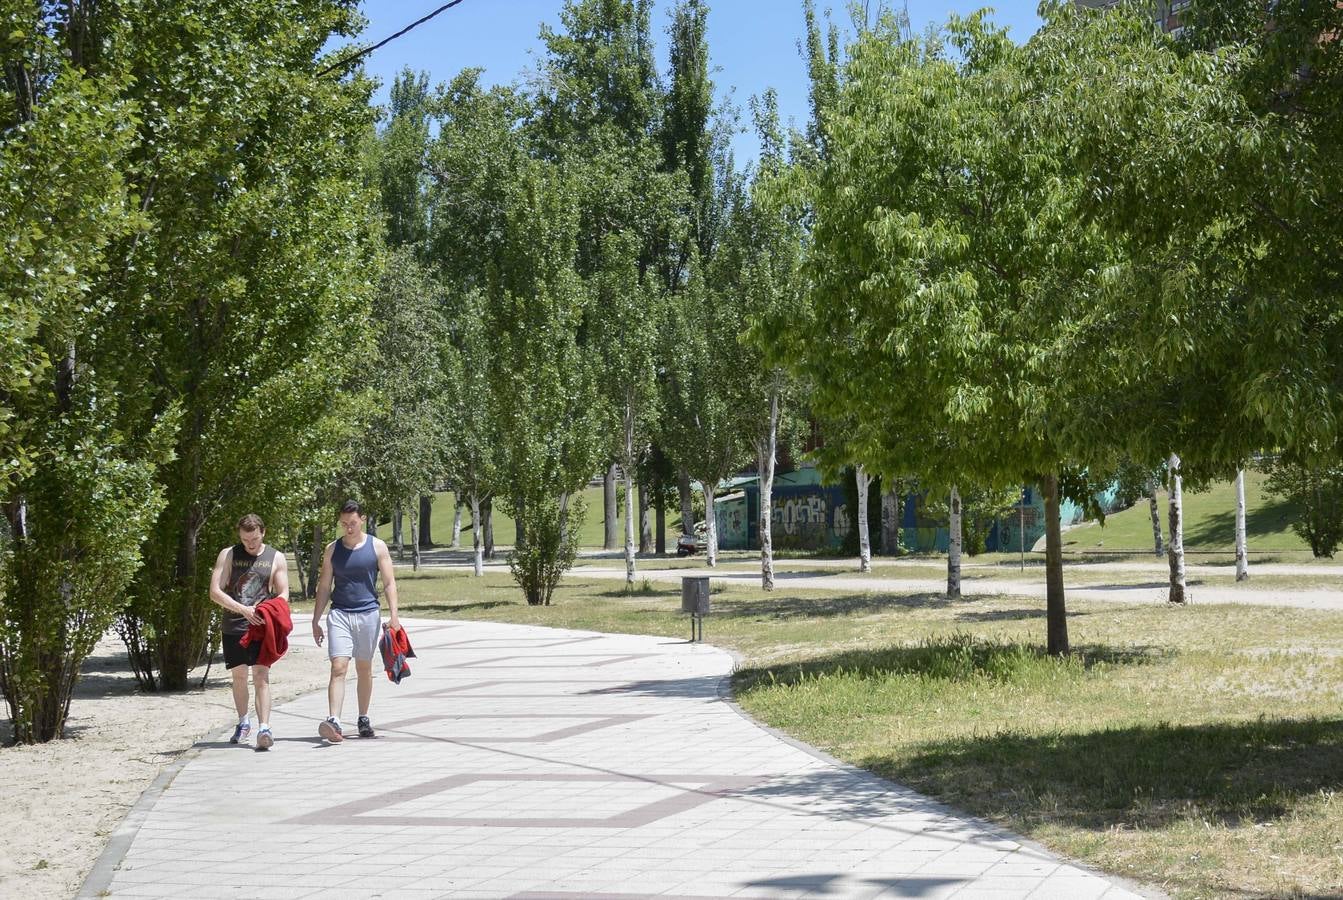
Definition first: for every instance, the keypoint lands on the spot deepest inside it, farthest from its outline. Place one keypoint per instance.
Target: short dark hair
(251, 522)
(351, 506)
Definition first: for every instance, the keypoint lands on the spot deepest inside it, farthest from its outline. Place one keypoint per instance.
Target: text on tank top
(248, 582)
(354, 577)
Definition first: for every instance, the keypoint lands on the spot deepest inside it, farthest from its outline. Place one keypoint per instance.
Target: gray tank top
(248, 582)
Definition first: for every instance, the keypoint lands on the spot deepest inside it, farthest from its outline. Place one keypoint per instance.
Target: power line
(362, 53)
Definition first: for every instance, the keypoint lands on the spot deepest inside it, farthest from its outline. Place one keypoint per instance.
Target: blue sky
(753, 43)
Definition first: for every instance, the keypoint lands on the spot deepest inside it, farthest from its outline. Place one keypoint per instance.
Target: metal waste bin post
(695, 600)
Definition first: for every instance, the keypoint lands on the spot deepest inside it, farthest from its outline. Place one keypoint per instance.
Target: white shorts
(353, 635)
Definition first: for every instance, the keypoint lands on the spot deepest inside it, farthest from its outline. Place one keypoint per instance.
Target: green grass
(1209, 523)
(1198, 749)
(590, 536)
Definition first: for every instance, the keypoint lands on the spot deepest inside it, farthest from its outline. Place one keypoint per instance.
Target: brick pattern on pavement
(529, 763)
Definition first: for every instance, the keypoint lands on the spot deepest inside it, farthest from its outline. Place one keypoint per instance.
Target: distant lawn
(1209, 523)
(1199, 750)
(591, 535)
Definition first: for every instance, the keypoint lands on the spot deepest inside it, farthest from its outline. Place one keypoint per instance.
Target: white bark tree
(456, 524)
(864, 538)
(954, 547)
(710, 486)
(1242, 552)
(1178, 588)
(768, 454)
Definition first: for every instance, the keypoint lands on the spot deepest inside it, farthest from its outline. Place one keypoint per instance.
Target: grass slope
(1209, 523)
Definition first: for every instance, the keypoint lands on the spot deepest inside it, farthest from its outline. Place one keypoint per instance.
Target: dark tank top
(248, 582)
(354, 574)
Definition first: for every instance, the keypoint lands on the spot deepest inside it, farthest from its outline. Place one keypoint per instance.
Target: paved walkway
(528, 763)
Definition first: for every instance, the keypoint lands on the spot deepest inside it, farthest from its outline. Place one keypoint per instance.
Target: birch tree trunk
(711, 520)
(864, 538)
(645, 525)
(398, 534)
(414, 537)
(768, 456)
(1178, 588)
(477, 539)
(609, 508)
(1156, 515)
(1056, 610)
(954, 548)
(687, 503)
(1242, 551)
(456, 524)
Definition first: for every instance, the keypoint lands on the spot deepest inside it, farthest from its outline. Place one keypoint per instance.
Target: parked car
(688, 545)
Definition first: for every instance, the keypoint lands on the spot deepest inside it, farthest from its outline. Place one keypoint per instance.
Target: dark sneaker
(264, 740)
(330, 729)
(241, 732)
(365, 727)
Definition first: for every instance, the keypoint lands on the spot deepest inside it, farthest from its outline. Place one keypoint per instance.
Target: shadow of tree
(1139, 777)
(1219, 529)
(958, 657)
(786, 607)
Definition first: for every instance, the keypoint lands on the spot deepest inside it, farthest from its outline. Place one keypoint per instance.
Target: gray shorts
(353, 635)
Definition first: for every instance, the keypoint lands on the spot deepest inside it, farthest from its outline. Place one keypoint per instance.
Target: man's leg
(335, 690)
(240, 697)
(261, 681)
(363, 671)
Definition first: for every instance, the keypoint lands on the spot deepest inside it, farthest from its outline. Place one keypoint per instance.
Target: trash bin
(695, 600)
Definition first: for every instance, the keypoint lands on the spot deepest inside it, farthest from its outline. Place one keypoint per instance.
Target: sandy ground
(60, 802)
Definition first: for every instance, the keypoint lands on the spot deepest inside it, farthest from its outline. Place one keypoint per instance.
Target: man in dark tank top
(351, 568)
(244, 575)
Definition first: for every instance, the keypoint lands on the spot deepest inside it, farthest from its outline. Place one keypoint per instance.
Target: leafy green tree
(249, 288)
(1317, 491)
(77, 489)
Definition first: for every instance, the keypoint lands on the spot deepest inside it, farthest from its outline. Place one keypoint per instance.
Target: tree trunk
(864, 538)
(315, 560)
(477, 538)
(660, 521)
(645, 525)
(519, 529)
(890, 522)
(413, 508)
(687, 503)
(953, 547)
(1156, 515)
(487, 526)
(711, 521)
(1242, 551)
(768, 457)
(426, 516)
(629, 530)
(398, 534)
(298, 566)
(456, 522)
(609, 504)
(1056, 610)
(1178, 588)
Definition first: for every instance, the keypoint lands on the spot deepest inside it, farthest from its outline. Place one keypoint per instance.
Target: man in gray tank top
(351, 567)
(243, 576)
